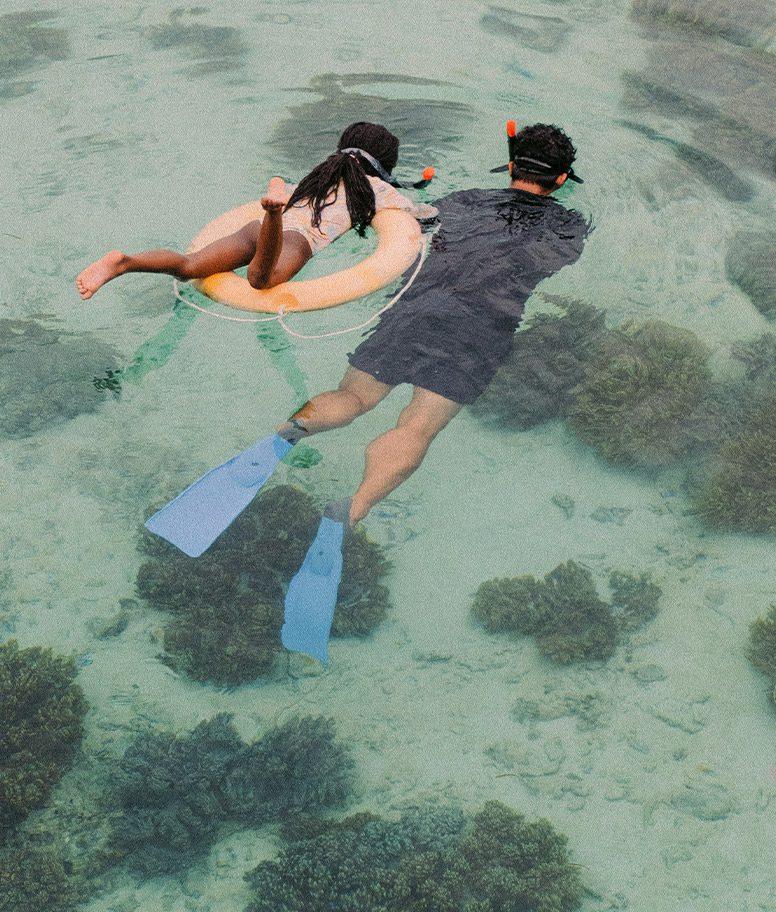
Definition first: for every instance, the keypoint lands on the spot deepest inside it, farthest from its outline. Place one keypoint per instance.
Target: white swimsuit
(335, 218)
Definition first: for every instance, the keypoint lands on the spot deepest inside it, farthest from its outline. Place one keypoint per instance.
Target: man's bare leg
(394, 456)
(357, 394)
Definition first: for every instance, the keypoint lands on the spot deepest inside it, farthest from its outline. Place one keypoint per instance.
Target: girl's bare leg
(272, 255)
(221, 256)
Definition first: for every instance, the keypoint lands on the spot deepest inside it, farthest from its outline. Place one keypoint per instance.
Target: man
(446, 337)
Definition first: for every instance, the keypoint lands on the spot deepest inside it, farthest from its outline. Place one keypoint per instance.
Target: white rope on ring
(211, 313)
(281, 313)
(350, 329)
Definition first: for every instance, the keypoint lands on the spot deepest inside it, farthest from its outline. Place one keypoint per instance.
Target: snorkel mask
(426, 178)
(530, 165)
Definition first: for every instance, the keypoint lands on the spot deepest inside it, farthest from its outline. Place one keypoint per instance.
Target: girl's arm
(388, 197)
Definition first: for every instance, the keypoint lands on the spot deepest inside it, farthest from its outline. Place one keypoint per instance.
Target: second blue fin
(197, 516)
(312, 594)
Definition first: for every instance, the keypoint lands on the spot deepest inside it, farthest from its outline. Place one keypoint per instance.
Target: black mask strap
(382, 173)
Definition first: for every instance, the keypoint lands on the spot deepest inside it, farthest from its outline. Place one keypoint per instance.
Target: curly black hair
(545, 143)
(320, 186)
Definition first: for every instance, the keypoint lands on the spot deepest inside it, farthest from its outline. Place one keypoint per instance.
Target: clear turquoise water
(132, 127)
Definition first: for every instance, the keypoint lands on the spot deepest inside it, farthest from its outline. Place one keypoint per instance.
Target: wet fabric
(456, 325)
(335, 218)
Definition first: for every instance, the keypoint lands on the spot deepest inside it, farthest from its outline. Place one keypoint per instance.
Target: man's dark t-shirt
(455, 326)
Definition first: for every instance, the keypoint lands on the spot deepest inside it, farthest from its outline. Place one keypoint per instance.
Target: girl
(343, 192)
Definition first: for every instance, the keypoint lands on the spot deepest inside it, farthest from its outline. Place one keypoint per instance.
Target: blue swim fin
(312, 594)
(195, 519)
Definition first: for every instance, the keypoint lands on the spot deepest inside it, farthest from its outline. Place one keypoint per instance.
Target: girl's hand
(276, 196)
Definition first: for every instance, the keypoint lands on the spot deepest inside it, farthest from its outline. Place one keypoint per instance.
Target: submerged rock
(706, 65)
(28, 42)
(537, 32)
(47, 376)
(207, 49)
(751, 265)
(748, 22)
(309, 133)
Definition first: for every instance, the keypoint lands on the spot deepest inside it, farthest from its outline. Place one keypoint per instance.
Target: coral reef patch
(176, 792)
(429, 859)
(564, 611)
(227, 605)
(761, 649)
(548, 361)
(750, 266)
(41, 726)
(638, 393)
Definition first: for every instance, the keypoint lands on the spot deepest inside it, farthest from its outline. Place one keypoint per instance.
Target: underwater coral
(47, 376)
(296, 767)
(169, 789)
(432, 858)
(635, 401)
(761, 650)
(36, 879)
(564, 611)
(228, 603)
(739, 494)
(534, 385)
(635, 599)
(175, 792)
(41, 727)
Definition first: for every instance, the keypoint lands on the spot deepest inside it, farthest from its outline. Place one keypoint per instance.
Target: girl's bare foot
(100, 272)
(276, 197)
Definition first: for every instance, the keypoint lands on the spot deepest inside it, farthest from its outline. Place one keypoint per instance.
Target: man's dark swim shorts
(454, 328)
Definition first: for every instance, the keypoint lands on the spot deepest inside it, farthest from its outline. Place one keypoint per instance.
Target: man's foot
(340, 511)
(100, 272)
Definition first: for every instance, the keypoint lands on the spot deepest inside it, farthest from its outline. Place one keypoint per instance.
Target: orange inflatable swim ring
(398, 245)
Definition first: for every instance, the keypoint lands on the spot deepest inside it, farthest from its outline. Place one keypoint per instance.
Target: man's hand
(276, 196)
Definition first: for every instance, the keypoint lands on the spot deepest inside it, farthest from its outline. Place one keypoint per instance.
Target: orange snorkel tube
(511, 134)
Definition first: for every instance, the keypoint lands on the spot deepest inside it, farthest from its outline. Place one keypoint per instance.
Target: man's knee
(359, 405)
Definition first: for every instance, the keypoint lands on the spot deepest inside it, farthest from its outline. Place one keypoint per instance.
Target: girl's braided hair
(320, 186)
